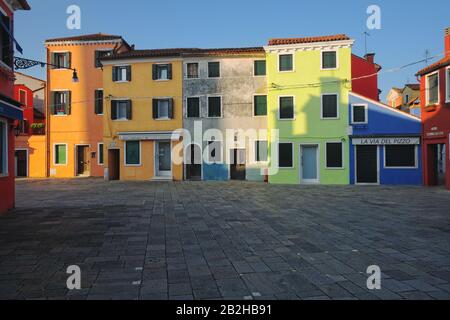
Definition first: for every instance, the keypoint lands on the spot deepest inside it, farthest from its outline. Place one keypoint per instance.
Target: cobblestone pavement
(202, 240)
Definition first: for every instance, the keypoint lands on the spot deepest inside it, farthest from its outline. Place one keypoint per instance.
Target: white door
(309, 166)
(163, 157)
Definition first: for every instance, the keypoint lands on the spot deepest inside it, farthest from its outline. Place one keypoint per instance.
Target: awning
(155, 135)
(10, 108)
(7, 29)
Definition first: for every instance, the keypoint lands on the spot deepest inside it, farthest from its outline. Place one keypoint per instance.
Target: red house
(10, 109)
(364, 75)
(435, 101)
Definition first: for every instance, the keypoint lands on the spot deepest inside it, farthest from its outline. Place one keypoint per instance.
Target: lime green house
(308, 84)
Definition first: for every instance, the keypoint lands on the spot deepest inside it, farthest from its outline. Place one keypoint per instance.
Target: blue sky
(408, 29)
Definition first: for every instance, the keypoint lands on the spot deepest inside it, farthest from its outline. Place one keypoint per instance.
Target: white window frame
(199, 107)
(253, 104)
(221, 106)
(366, 108)
(98, 153)
(54, 154)
(26, 97)
(100, 114)
(186, 70)
(125, 154)
(293, 157)
(293, 62)
(279, 108)
(321, 60)
(427, 89)
(338, 109)
(416, 158)
(254, 70)
(207, 69)
(122, 66)
(256, 152)
(4, 152)
(326, 155)
(447, 87)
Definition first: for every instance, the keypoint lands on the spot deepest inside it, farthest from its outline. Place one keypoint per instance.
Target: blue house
(385, 144)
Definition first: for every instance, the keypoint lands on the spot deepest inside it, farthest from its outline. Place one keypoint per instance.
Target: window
(448, 85)
(433, 89)
(99, 54)
(163, 108)
(132, 153)
(192, 70)
(359, 114)
(261, 148)
(6, 50)
(286, 62)
(24, 126)
(23, 97)
(193, 107)
(121, 73)
(61, 102)
(3, 148)
(61, 60)
(329, 60)
(334, 155)
(214, 107)
(286, 108)
(330, 106)
(285, 154)
(60, 154)
(215, 151)
(99, 101)
(406, 98)
(162, 71)
(260, 68)
(400, 156)
(260, 106)
(121, 110)
(100, 153)
(214, 69)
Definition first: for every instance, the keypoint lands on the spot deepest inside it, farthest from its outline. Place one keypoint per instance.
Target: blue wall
(214, 171)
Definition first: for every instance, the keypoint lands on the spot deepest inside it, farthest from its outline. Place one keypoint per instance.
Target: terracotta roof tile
(87, 37)
(437, 65)
(413, 86)
(285, 41)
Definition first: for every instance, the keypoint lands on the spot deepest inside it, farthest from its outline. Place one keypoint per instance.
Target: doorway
(237, 166)
(309, 164)
(194, 162)
(436, 164)
(113, 164)
(83, 161)
(21, 157)
(163, 159)
(367, 165)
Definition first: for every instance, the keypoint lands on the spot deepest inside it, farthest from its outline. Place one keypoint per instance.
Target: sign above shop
(387, 141)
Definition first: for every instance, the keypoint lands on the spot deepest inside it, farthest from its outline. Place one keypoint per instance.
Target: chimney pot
(370, 57)
(447, 42)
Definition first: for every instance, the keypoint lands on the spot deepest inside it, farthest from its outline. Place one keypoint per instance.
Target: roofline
(426, 71)
(28, 76)
(281, 47)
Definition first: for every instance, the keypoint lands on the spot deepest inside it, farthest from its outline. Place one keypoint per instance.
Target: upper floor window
(23, 97)
(162, 71)
(261, 149)
(61, 102)
(61, 60)
(448, 84)
(3, 148)
(121, 73)
(121, 110)
(163, 108)
(214, 107)
(6, 50)
(330, 106)
(260, 105)
(214, 69)
(359, 114)
(286, 108)
(192, 70)
(193, 107)
(432, 89)
(260, 68)
(99, 101)
(406, 98)
(286, 62)
(99, 54)
(329, 60)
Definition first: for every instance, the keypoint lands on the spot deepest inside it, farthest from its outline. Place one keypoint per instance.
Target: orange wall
(36, 147)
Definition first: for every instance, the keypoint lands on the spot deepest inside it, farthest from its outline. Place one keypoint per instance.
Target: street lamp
(22, 63)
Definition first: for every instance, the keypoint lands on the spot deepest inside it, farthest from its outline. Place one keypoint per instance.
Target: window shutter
(52, 103)
(113, 110)
(69, 103)
(129, 73)
(97, 59)
(154, 72)
(155, 108)
(169, 71)
(69, 60)
(170, 108)
(114, 73)
(129, 110)
(52, 60)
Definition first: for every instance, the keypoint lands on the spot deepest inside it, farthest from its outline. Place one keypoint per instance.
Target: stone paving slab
(224, 240)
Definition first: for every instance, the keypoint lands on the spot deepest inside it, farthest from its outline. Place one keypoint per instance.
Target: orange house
(75, 108)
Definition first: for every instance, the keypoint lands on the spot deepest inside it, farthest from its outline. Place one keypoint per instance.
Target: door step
(162, 179)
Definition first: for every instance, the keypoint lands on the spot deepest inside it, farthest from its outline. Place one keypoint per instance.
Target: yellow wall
(141, 90)
(36, 147)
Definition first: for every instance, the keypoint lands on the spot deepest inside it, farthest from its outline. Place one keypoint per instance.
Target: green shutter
(60, 154)
(286, 62)
(260, 68)
(260, 105)
(132, 156)
(329, 60)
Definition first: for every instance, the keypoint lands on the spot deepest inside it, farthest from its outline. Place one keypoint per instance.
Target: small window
(261, 148)
(433, 89)
(99, 101)
(61, 102)
(192, 70)
(3, 148)
(23, 97)
(286, 62)
(260, 105)
(215, 151)
(359, 114)
(99, 54)
(121, 110)
(214, 107)
(260, 68)
(285, 154)
(214, 69)
(286, 108)
(100, 154)
(163, 108)
(60, 154)
(121, 73)
(162, 71)
(193, 107)
(61, 60)
(132, 153)
(406, 98)
(329, 106)
(400, 156)
(329, 60)
(334, 155)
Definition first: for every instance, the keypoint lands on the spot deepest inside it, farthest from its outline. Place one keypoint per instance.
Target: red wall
(28, 111)
(367, 87)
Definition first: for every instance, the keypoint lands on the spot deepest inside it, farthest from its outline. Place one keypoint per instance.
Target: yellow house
(143, 110)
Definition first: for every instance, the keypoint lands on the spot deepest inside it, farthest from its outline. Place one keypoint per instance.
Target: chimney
(370, 57)
(447, 42)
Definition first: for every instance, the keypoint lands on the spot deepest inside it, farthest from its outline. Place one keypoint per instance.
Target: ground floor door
(83, 161)
(436, 154)
(367, 164)
(21, 163)
(237, 166)
(114, 164)
(194, 162)
(309, 165)
(163, 159)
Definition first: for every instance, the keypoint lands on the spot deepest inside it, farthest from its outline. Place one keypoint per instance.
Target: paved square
(224, 240)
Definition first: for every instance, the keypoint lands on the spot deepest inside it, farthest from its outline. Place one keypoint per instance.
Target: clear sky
(408, 28)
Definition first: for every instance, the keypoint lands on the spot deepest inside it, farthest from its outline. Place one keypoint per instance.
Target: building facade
(406, 99)
(10, 109)
(225, 90)
(435, 101)
(75, 109)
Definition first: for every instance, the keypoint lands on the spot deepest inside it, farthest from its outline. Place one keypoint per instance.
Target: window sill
(401, 168)
(186, 78)
(335, 169)
(264, 116)
(122, 81)
(330, 118)
(329, 69)
(287, 119)
(60, 115)
(121, 120)
(213, 77)
(133, 165)
(360, 123)
(162, 80)
(287, 71)
(163, 119)
(59, 165)
(214, 117)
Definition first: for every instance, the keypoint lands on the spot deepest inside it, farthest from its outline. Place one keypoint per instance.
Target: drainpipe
(47, 118)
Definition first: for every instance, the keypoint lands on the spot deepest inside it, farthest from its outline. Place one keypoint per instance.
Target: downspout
(47, 119)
